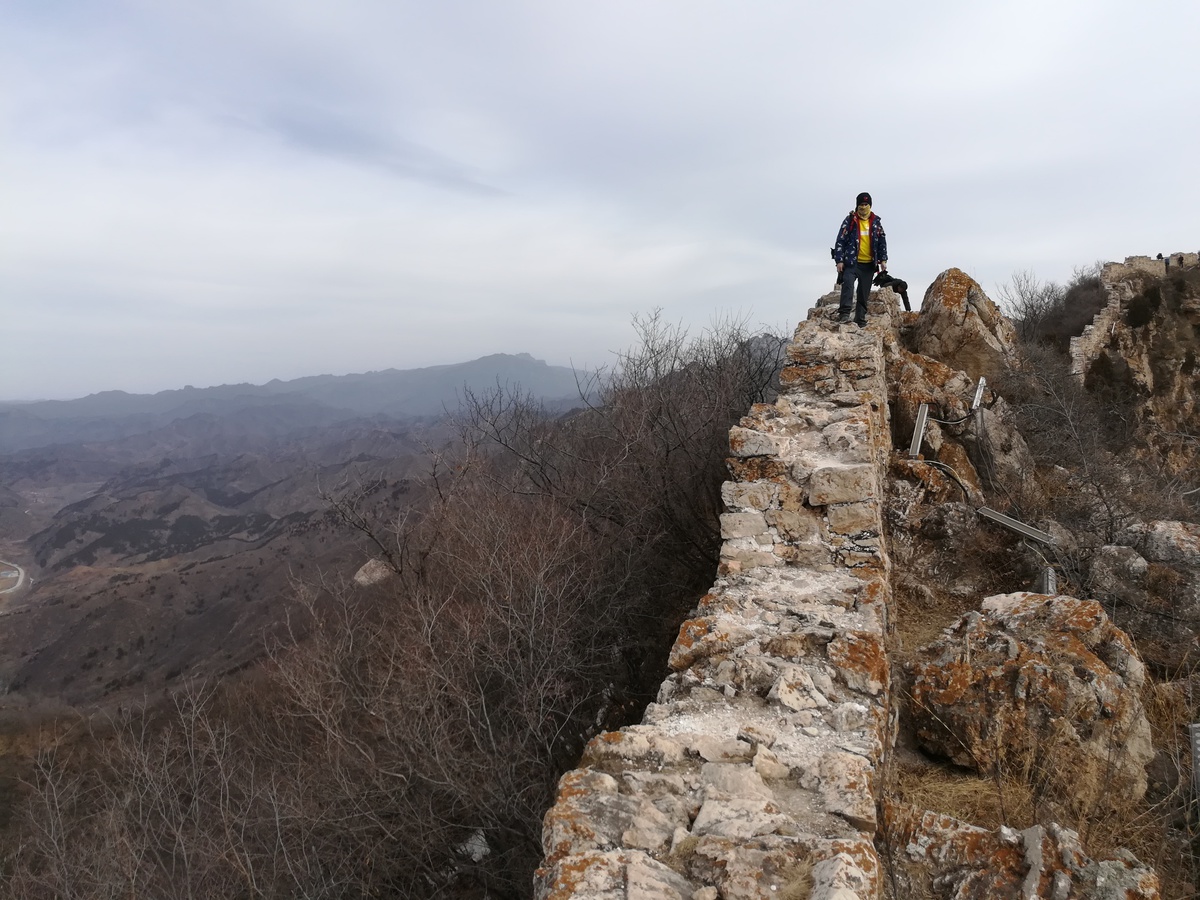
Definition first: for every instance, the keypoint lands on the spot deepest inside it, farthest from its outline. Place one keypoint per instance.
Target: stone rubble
(964, 862)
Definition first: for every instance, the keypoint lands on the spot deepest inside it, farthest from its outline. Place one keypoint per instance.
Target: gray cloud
(200, 193)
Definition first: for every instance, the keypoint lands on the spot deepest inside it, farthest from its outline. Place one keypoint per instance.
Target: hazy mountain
(282, 407)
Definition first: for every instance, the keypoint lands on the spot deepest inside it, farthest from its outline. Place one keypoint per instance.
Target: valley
(156, 539)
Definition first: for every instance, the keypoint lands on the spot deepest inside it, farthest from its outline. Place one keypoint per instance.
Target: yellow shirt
(864, 240)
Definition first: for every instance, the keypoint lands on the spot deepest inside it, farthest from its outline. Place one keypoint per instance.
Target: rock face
(1037, 681)
(1153, 577)
(958, 337)
(962, 862)
(1176, 543)
(755, 773)
(961, 327)
(1145, 343)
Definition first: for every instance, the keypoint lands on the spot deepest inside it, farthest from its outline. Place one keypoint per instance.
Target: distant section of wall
(1120, 286)
(754, 773)
(1087, 346)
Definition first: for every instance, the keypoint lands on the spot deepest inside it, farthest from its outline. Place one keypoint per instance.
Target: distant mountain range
(403, 395)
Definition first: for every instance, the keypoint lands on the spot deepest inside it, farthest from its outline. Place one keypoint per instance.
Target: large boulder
(960, 326)
(1041, 685)
(996, 448)
(948, 858)
(1174, 543)
(1152, 581)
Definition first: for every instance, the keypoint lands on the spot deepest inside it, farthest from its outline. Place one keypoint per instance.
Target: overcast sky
(216, 191)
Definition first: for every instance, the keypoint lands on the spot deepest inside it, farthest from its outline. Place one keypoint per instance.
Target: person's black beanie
(864, 197)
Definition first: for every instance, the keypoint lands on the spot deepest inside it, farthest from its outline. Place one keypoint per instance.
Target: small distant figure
(860, 250)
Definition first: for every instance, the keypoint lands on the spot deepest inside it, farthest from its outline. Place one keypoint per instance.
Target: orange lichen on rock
(861, 660)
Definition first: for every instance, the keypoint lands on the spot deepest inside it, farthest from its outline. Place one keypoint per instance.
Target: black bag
(884, 279)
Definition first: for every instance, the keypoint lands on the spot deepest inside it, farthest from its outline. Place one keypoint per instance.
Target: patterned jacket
(845, 250)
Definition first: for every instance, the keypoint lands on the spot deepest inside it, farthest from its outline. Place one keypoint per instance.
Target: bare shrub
(407, 740)
(1028, 301)
(1046, 313)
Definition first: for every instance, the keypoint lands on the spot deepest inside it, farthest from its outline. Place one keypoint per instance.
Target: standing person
(861, 247)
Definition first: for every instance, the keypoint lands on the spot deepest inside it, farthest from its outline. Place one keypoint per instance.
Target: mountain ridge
(399, 394)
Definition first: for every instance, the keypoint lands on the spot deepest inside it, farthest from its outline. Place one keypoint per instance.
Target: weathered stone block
(703, 637)
(794, 376)
(737, 559)
(852, 440)
(794, 525)
(626, 874)
(753, 495)
(811, 556)
(791, 497)
(796, 691)
(757, 468)
(739, 818)
(745, 442)
(841, 484)
(861, 661)
(852, 518)
(744, 524)
(846, 788)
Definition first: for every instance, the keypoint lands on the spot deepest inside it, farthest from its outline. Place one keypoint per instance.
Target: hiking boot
(861, 323)
(843, 319)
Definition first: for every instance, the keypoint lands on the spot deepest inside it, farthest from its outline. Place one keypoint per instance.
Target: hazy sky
(212, 191)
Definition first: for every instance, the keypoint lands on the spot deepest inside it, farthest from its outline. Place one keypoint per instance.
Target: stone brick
(852, 518)
(742, 524)
(745, 442)
(739, 560)
(757, 468)
(791, 497)
(841, 484)
(853, 439)
(805, 555)
(752, 495)
(794, 526)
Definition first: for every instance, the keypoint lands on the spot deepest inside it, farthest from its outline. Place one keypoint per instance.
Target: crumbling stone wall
(755, 772)
(1115, 278)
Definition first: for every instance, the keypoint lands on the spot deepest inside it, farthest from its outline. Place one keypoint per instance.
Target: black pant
(863, 272)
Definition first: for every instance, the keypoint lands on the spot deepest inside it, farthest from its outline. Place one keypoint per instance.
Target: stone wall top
(754, 772)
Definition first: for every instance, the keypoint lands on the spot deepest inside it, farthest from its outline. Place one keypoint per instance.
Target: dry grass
(986, 802)
(991, 802)
(798, 880)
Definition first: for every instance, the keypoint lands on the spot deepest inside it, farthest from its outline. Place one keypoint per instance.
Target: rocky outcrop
(1144, 345)
(982, 447)
(1177, 543)
(1152, 582)
(1036, 682)
(956, 861)
(755, 773)
(373, 571)
(962, 328)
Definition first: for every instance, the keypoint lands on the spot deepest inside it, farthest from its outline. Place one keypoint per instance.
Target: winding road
(6, 568)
